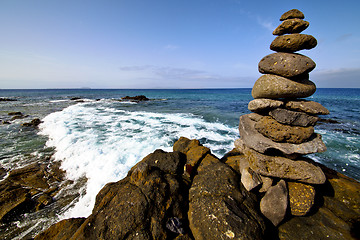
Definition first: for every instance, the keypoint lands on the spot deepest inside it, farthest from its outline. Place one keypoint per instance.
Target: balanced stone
(249, 178)
(301, 198)
(273, 86)
(275, 202)
(309, 107)
(294, 25)
(286, 64)
(293, 13)
(264, 104)
(255, 140)
(278, 132)
(293, 118)
(293, 43)
(266, 183)
(302, 170)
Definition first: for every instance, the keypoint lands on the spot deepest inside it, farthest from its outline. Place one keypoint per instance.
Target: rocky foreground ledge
(191, 194)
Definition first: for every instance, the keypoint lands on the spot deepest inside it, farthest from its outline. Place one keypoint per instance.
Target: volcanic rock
(275, 202)
(294, 25)
(264, 104)
(293, 42)
(273, 86)
(220, 208)
(255, 140)
(293, 118)
(286, 64)
(302, 170)
(278, 132)
(301, 198)
(309, 107)
(293, 13)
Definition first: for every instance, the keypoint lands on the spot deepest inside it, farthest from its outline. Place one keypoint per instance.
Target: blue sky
(166, 43)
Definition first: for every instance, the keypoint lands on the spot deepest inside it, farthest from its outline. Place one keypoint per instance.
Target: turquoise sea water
(101, 138)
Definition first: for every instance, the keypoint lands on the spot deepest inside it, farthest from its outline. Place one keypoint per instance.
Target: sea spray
(101, 142)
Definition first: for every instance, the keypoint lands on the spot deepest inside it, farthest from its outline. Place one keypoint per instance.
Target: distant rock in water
(7, 100)
(136, 98)
(34, 123)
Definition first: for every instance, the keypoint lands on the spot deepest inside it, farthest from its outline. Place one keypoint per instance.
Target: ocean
(98, 139)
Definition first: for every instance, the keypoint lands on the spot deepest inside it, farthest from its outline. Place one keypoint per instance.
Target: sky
(166, 43)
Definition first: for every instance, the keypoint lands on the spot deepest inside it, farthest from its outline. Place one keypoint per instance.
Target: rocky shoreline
(191, 194)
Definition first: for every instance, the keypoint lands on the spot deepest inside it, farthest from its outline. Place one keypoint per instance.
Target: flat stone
(255, 140)
(273, 87)
(309, 107)
(293, 118)
(275, 202)
(294, 25)
(301, 198)
(249, 178)
(255, 116)
(278, 132)
(293, 13)
(286, 64)
(293, 42)
(302, 170)
(264, 104)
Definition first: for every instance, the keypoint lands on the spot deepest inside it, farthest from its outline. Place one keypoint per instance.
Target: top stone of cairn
(293, 13)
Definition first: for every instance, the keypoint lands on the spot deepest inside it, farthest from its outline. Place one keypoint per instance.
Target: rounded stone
(287, 65)
(278, 132)
(293, 13)
(294, 25)
(293, 42)
(273, 87)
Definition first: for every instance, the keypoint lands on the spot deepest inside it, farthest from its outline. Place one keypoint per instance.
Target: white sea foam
(102, 143)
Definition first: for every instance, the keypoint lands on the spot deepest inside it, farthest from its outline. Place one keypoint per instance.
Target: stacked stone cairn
(280, 131)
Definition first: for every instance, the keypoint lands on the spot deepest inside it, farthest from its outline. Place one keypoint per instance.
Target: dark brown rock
(336, 216)
(64, 229)
(264, 104)
(13, 202)
(34, 123)
(275, 202)
(293, 13)
(302, 170)
(184, 144)
(293, 42)
(273, 87)
(286, 64)
(136, 98)
(278, 132)
(294, 25)
(15, 114)
(255, 140)
(7, 100)
(293, 118)
(310, 107)
(220, 208)
(301, 198)
(141, 205)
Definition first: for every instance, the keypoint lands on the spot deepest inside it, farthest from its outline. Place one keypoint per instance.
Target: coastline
(197, 97)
